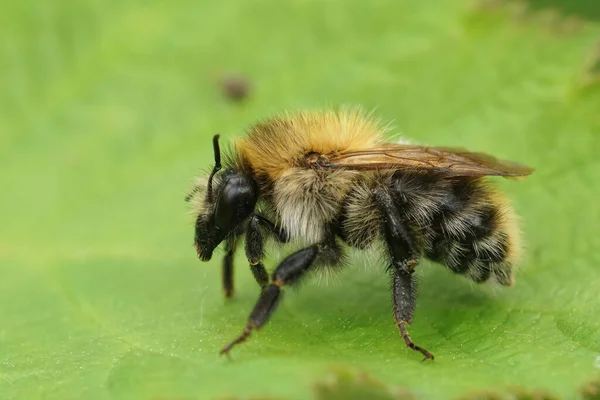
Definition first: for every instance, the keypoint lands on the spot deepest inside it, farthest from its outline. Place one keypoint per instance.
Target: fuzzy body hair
(305, 201)
(460, 222)
(273, 146)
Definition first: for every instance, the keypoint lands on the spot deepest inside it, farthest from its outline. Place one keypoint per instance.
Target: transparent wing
(443, 160)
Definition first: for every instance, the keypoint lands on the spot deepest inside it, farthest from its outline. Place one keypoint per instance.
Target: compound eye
(225, 210)
(235, 202)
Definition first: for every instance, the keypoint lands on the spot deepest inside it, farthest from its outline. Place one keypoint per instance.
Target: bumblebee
(328, 181)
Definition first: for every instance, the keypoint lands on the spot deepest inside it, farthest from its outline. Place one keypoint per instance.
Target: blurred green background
(106, 113)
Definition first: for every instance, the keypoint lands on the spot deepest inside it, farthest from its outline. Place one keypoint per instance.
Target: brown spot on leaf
(591, 390)
(592, 69)
(515, 393)
(484, 395)
(344, 384)
(251, 398)
(235, 87)
(549, 16)
(572, 24)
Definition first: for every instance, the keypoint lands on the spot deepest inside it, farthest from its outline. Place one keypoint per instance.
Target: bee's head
(229, 199)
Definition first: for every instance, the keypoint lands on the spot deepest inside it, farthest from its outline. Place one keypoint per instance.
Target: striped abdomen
(463, 224)
(460, 222)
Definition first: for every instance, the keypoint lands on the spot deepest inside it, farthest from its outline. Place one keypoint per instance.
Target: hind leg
(404, 289)
(404, 260)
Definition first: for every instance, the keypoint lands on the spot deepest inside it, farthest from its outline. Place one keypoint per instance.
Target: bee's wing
(443, 160)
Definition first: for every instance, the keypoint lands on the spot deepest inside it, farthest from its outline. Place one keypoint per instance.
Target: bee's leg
(255, 248)
(255, 251)
(227, 270)
(404, 260)
(289, 271)
(280, 234)
(404, 288)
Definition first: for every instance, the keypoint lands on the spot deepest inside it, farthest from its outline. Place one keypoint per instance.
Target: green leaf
(106, 114)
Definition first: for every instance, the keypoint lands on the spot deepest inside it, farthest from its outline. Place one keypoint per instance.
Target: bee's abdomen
(460, 222)
(464, 224)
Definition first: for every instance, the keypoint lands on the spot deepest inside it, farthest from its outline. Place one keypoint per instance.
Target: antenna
(217, 167)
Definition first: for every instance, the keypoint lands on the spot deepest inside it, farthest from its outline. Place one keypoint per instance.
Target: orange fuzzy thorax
(273, 146)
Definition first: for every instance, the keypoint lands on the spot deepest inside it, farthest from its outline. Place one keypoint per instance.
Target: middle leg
(404, 260)
(290, 271)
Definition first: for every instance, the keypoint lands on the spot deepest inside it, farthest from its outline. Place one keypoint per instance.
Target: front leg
(227, 269)
(404, 260)
(255, 246)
